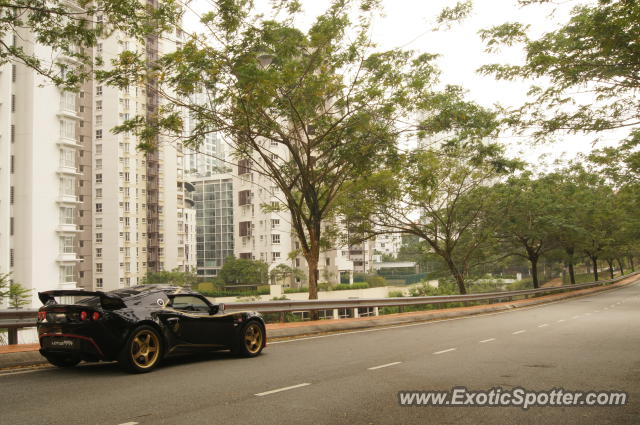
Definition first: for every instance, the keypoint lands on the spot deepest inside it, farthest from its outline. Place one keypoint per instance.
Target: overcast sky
(408, 24)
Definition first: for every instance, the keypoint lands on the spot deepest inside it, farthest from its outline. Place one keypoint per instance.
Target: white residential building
(39, 170)
(387, 245)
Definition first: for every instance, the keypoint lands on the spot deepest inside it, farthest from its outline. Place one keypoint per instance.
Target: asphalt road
(586, 343)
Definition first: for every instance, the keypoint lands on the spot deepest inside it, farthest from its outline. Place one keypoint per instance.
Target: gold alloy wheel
(253, 338)
(145, 349)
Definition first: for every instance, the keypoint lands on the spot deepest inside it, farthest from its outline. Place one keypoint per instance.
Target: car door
(196, 324)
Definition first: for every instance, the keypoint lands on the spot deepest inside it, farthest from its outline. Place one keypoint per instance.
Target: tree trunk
(572, 274)
(595, 267)
(457, 276)
(633, 268)
(621, 266)
(313, 277)
(534, 272)
(610, 263)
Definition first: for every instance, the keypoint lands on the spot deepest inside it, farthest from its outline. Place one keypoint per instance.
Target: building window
(275, 222)
(99, 282)
(99, 192)
(11, 257)
(98, 90)
(67, 274)
(66, 245)
(98, 149)
(98, 120)
(98, 105)
(328, 261)
(98, 223)
(12, 195)
(98, 163)
(98, 267)
(99, 208)
(67, 215)
(244, 166)
(245, 228)
(244, 197)
(13, 133)
(68, 186)
(275, 256)
(99, 134)
(98, 178)
(67, 128)
(11, 226)
(275, 239)
(67, 158)
(13, 103)
(98, 252)
(14, 71)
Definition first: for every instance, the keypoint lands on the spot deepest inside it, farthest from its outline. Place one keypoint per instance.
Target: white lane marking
(561, 320)
(383, 365)
(444, 351)
(130, 423)
(518, 332)
(432, 322)
(575, 317)
(543, 325)
(487, 340)
(282, 389)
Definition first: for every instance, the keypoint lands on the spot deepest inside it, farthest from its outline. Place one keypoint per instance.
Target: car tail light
(95, 315)
(42, 315)
(84, 316)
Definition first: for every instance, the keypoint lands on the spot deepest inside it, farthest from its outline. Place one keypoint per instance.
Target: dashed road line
(544, 325)
(487, 340)
(518, 332)
(383, 365)
(444, 351)
(282, 389)
(561, 320)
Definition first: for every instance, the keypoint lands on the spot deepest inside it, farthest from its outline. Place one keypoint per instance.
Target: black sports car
(141, 325)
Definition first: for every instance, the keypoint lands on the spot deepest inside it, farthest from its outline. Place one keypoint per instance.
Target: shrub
(296, 290)
(395, 294)
(375, 281)
(206, 287)
(356, 285)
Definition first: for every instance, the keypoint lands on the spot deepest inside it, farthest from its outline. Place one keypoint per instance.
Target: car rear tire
(143, 350)
(62, 360)
(250, 340)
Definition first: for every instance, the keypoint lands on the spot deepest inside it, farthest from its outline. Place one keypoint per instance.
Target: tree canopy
(69, 27)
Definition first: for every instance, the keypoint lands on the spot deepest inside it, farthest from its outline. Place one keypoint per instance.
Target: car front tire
(143, 350)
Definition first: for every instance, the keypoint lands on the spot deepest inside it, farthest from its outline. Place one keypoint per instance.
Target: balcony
(67, 228)
(67, 257)
(67, 199)
(67, 141)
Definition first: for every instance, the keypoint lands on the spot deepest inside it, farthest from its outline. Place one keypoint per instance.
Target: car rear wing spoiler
(106, 300)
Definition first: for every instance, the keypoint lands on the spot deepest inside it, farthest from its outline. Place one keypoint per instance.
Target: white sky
(408, 23)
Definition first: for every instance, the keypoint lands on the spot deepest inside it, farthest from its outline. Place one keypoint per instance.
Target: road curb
(275, 332)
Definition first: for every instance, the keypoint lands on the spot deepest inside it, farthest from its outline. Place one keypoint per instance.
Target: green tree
(69, 27)
(174, 277)
(308, 109)
(525, 215)
(597, 49)
(243, 271)
(18, 295)
(281, 272)
(437, 195)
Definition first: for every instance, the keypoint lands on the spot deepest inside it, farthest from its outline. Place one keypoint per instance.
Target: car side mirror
(214, 309)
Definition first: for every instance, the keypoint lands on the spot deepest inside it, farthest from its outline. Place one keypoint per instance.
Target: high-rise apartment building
(80, 206)
(40, 128)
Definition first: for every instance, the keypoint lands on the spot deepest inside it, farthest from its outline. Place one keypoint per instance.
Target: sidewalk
(27, 354)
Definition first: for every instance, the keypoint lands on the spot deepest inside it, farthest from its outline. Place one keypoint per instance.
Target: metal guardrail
(15, 319)
(286, 306)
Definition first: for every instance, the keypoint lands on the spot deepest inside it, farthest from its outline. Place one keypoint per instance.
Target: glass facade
(214, 224)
